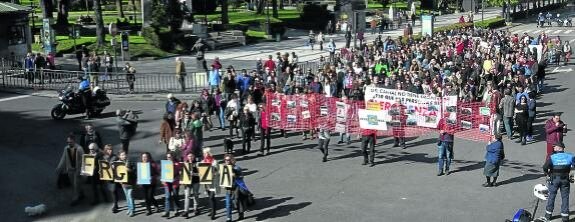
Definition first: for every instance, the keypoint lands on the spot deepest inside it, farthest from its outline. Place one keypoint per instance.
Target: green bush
(160, 38)
(491, 23)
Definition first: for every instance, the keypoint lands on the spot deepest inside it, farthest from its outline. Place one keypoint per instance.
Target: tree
(99, 23)
(175, 14)
(275, 8)
(384, 3)
(63, 9)
(47, 8)
(281, 4)
(260, 6)
(119, 8)
(225, 18)
(158, 17)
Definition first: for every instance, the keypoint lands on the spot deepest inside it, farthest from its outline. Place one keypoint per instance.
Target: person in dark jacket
(149, 189)
(91, 136)
(97, 184)
(494, 156)
(229, 85)
(234, 192)
(247, 124)
(554, 129)
(172, 104)
(127, 124)
(557, 169)
(114, 188)
(521, 116)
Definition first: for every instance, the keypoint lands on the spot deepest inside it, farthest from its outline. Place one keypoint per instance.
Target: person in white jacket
(320, 39)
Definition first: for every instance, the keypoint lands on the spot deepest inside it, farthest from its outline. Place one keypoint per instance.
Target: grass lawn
(249, 17)
(401, 5)
(138, 46)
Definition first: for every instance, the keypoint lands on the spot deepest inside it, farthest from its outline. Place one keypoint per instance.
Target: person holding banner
(193, 187)
(265, 130)
(444, 146)
(171, 189)
(368, 138)
(233, 193)
(398, 122)
(211, 187)
(97, 186)
(150, 186)
(109, 156)
(128, 183)
(70, 165)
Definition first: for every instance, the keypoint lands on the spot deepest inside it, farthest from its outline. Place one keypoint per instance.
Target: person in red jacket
(368, 137)
(265, 130)
(398, 120)
(270, 63)
(554, 129)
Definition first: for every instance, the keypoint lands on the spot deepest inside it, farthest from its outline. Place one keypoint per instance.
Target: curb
(144, 97)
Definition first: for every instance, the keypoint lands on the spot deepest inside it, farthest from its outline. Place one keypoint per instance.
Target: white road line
(536, 31)
(568, 31)
(558, 31)
(14, 98)
(571, 41)
(518, 31)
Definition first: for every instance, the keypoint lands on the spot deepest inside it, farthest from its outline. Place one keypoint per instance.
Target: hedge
(491, 23)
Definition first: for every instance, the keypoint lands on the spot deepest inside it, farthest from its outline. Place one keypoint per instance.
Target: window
(16, 35)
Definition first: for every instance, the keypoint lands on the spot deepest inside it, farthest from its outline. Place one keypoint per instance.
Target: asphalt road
(292, 184)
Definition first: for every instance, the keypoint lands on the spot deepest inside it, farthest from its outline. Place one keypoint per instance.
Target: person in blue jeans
(444, 148)
(233, 193)
(171, 189)
(557, 167)
(129, 186)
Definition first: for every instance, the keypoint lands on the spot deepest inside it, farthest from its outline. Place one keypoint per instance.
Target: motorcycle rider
(549, 16)
(86, 94)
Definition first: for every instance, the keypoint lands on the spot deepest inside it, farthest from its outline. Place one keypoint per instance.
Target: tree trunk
(225, 19)
(275, 8)
(119, 8)
(281, 4)
(100, 40)
(260, 7)
(63, 8)
(47, 8)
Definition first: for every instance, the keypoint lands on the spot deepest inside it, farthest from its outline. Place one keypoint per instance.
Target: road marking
(568, 31)
(536, 31)
(14, 98)
(570, 41)
(557, 69)
(525, 31)
(558, 31)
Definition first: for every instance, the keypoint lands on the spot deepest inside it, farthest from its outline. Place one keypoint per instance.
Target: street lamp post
(268, 18)
(482, 9)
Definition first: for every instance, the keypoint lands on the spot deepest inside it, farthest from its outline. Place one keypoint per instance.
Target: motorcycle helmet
(96, 89)
(541, 191)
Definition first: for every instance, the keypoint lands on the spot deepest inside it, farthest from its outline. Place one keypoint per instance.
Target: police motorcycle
(541, 191)
(71, 103)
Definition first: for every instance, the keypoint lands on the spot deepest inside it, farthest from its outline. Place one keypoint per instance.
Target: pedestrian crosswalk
(548, 31)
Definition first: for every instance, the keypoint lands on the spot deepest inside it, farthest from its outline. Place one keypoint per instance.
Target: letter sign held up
(227, 176)
(88, 164)
(206, 174)
(106, 171)
(120, 172)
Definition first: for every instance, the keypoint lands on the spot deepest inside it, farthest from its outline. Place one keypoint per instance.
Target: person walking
(167, 128)
(324, 135)
(192, 189)
(171, 189)
(127, 123)
(149, 189)
(494, 156)
(214, 188)
(128, 187)
(232, 113)
(181, 73)
(70, 165)
(247, 124)
(368, 138)
(265, 130)
(234, 199)
(311, 39)
(445, 147)
(554, 129)
(348, 37)
(557, 169)
(507, 105)
(91, 136)
(130, 76)
(95, 182)
(114, 188)
(331, 49)
(320, 38)
(521, 115)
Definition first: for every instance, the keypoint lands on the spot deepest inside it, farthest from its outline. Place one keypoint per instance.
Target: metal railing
(116, 83)
(15, 76)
